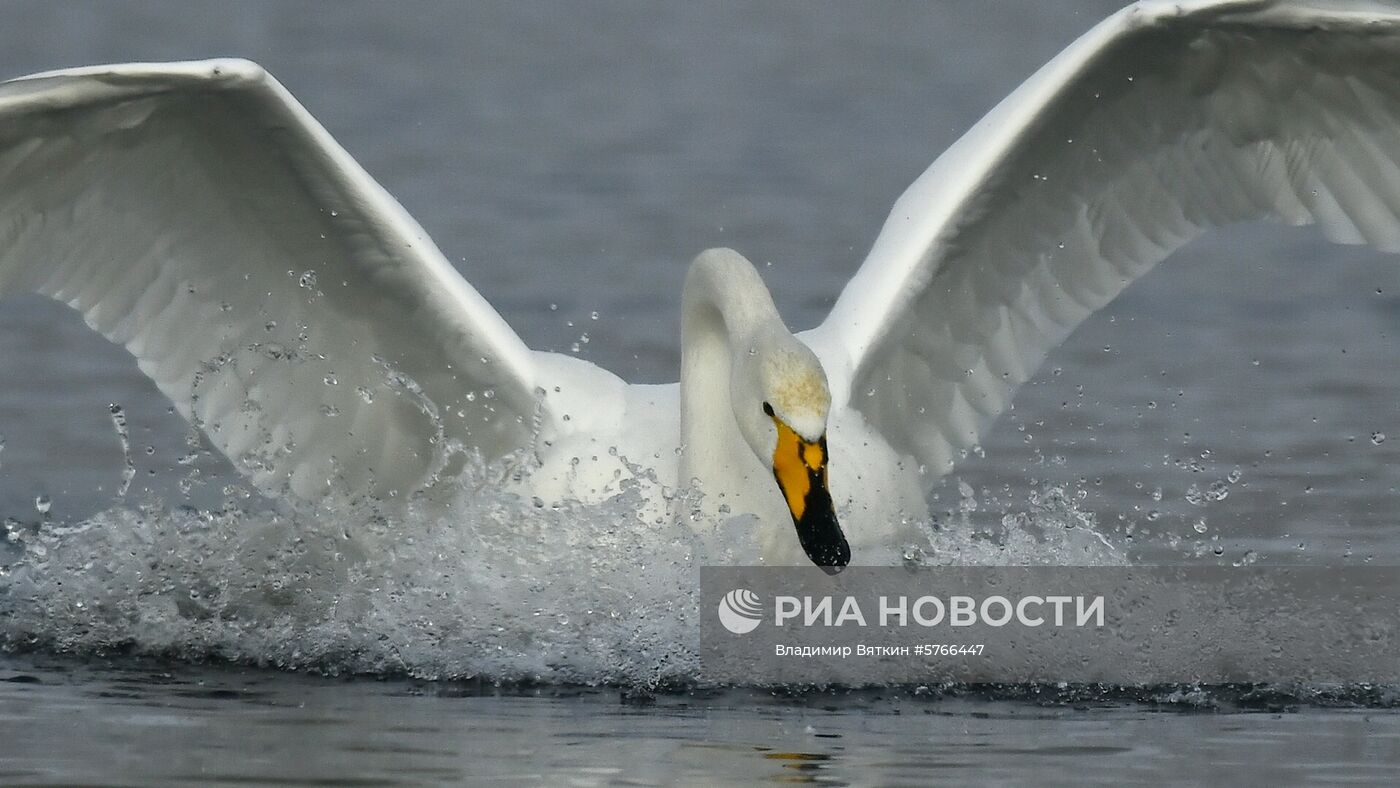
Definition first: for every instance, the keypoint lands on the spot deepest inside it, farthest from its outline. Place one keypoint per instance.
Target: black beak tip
(830, 555)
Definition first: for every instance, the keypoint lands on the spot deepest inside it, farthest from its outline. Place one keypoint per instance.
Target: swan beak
(800, 468)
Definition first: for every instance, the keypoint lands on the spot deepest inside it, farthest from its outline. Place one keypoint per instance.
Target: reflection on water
(148, 723)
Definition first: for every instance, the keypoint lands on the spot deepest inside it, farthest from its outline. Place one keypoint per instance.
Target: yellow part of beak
(795, 462)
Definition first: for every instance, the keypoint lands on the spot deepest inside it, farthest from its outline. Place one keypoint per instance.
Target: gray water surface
(572, 159)
(143, 723)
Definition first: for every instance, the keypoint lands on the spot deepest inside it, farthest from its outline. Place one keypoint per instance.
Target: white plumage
(291, 309)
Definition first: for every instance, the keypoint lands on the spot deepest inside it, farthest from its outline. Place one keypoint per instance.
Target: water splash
(478, 582)
(481, 584)
(1042, 526)
(118, 415)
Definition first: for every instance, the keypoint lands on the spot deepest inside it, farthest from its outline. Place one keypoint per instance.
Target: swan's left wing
(1162, 122)
(198, 215)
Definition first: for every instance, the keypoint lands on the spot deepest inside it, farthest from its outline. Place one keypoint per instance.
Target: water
(571, 161)
(221, 726)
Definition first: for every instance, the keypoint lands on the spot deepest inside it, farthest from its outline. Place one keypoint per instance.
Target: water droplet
(913, 555)
(1217, 491)
(42, 504)
(308, 279)
(1378, 438)
(118, 415)
(274, 351)
(365, 394)
(1200, 525)
(330, 380)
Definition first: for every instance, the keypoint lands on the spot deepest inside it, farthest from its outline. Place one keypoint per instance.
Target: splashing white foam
(478, 582)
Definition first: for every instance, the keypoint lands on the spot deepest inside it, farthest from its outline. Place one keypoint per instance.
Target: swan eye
(768, 409)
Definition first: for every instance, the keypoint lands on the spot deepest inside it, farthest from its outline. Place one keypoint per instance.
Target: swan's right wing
(1162, 122)
(198, 215)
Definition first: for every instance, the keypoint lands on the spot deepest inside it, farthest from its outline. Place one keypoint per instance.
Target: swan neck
(723, 284)
(724, 303)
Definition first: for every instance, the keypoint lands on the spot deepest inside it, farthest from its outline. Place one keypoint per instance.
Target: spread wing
(198, 215)
(1162, 122)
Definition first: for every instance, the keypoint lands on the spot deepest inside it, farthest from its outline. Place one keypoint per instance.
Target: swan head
(781, 401)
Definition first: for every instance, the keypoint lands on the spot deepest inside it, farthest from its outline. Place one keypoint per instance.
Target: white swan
(197, 215)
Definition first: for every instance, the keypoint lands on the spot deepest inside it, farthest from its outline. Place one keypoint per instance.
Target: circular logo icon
(740, 611)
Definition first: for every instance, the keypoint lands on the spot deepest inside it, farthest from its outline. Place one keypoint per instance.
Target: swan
(197, 215)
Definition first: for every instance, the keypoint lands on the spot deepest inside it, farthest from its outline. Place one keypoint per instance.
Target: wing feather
(1164, 121)
(288, 306)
